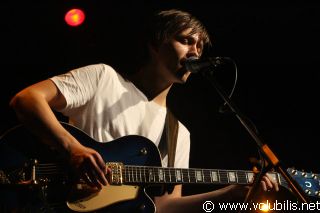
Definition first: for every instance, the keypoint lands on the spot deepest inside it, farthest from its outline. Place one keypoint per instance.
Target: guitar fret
(124, 172)
(242, 177)
(198, 175)
(279, 179)
(250, 177)
(161, 176)
(214, 176)
(206, 176)
(185, 176)
(135, 173)
(273, 176)
(231, 177)
(167, 175)
(178, 175)
(246, 175)
(192, 176)
(132, 178)
(150, 172)
(132, 174)
(154, 175)
(128, 173)
(181, 175)
(223, 177)
(189, 176)
(127, 176)
(139, 174)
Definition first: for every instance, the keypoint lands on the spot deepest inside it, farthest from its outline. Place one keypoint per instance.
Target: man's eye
(184, 41)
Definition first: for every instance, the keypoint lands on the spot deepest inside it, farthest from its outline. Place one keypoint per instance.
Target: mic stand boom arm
(264, 148)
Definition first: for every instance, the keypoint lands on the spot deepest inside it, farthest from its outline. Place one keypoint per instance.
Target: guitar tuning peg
(307, 191)
(294, 172)
(314, 176)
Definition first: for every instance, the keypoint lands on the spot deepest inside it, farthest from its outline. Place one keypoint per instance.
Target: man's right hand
(89, 165)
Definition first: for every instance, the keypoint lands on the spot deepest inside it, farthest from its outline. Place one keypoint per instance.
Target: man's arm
(33, 106)
(174, 202)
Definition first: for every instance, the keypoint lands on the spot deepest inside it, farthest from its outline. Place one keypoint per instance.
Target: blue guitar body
(19, 148)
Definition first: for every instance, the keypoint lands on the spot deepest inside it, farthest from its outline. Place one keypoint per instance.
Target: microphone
(195, 65)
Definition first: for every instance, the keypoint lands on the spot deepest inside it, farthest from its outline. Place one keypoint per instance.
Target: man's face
(175, 51)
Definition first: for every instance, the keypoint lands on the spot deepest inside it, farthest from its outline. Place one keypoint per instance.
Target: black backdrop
(274, 46)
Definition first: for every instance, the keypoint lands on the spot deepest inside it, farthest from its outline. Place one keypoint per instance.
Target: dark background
(275, 47)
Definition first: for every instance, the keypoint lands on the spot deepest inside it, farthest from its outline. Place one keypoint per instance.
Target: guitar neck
(158, 175)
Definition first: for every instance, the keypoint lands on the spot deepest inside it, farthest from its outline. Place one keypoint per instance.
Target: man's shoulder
(100, 67)
(183, 129)
(109, 70)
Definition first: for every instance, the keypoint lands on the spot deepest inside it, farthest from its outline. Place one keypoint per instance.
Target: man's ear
(152, 50)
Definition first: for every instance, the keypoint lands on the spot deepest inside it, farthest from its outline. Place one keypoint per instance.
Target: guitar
(135, 166)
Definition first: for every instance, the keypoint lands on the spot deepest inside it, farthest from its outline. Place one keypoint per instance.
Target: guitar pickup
(115, 176)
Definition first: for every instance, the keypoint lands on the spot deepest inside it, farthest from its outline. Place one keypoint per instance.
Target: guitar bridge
(115, 169)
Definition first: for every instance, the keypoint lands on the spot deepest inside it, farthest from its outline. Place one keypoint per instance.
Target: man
(107, 105)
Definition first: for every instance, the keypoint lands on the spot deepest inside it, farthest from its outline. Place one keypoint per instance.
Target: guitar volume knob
(143, 151)
(142, 207)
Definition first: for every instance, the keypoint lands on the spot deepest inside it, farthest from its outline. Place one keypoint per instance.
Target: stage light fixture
(265, 207)
(74, 17)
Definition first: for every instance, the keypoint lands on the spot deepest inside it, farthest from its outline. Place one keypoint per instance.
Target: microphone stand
(262, 147)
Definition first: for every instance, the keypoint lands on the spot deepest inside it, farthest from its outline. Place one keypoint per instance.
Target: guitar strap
(168, 141)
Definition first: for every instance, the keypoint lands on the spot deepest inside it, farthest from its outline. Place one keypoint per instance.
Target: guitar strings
(159, 174)
(136, 171)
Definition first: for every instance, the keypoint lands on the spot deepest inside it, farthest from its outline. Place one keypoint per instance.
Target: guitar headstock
(309, 182)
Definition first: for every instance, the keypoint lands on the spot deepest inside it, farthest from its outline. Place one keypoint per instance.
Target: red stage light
(74, 17)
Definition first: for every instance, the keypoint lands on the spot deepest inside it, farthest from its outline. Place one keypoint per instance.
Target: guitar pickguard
(86, 201)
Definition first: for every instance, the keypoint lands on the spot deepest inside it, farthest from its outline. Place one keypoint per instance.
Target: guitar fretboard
(143, 174)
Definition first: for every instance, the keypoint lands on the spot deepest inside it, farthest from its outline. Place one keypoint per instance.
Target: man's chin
(185, 77)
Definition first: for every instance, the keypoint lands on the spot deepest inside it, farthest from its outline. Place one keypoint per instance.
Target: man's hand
(88, 164)
(268, 184)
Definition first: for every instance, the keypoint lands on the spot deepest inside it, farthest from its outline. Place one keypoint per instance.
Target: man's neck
(154, 86)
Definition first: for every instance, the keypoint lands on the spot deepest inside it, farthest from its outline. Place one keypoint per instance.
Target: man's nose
(193, 51)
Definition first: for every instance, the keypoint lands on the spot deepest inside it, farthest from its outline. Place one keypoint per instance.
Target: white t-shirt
(106, 106)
